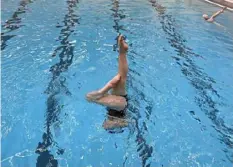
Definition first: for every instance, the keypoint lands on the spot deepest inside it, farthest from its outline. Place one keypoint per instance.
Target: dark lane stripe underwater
(57, 86)
(13, 23)
(198, 79)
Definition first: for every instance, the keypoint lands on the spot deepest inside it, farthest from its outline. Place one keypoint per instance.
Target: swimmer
(117, 98)
(211, 19)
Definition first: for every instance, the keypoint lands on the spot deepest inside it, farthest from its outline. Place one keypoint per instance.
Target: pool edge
(222, 3)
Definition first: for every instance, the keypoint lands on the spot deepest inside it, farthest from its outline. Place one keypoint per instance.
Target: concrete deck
(227, 3)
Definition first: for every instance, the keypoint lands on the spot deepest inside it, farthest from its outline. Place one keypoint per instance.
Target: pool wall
(227, 3)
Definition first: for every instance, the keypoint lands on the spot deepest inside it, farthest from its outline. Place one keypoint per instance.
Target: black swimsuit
(125, 96)
(117, 114)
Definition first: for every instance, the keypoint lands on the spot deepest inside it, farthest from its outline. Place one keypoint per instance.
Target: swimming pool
(179, 83)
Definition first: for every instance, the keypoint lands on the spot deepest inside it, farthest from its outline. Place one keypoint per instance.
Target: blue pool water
(179, 84)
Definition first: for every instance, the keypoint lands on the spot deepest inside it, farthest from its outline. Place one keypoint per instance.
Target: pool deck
(227, 3)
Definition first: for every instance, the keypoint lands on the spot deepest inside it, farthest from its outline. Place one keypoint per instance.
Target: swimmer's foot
(95, 95)
(123, 46)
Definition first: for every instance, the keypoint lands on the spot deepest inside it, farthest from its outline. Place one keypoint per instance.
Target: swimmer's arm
(217, 13)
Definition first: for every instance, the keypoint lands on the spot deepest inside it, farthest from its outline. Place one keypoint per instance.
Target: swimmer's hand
(223, 9)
